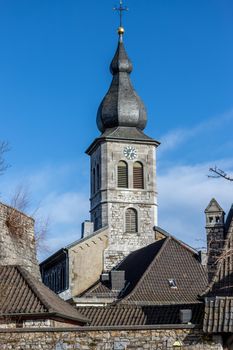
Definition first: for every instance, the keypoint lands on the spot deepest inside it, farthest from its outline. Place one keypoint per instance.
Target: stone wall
(106, 340)
(17, 241)
(109, 203)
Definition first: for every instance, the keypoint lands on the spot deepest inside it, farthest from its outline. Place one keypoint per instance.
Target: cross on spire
(121, 9)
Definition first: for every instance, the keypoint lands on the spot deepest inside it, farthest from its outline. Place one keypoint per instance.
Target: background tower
(215, 231)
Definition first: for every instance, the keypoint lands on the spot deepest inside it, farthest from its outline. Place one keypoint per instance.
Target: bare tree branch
(20, 202)
(41, 232)
(21, 198)
(219, 173)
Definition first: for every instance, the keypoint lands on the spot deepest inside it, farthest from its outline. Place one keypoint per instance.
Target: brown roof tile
(148, 270)
(174, 261)
(218, 316)
(23, 295)
(124, 315)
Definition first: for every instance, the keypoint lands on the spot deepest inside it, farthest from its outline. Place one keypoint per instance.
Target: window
(122, 174)
(93, 181)
(138, 175)
(131, 220)
(98, 177)
(56, 276)
(172, 283)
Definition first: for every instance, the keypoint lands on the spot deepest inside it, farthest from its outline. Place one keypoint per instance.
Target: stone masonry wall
(107, 340)
(109, 203)
(17, 241)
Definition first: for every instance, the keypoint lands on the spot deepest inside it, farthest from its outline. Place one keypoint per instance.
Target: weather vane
(121, 9)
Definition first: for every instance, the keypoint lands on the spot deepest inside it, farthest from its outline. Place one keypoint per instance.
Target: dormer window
(172, 283)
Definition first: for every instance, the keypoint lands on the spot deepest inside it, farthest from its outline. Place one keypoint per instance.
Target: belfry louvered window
(131, 220)
(138, 181)
(122, 174)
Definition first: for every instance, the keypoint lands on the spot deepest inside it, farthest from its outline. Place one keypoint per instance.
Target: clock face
(130, 152)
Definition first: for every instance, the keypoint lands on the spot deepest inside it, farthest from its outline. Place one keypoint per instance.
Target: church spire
(121, 106)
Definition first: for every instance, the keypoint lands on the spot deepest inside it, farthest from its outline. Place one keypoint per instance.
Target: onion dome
(121, 106)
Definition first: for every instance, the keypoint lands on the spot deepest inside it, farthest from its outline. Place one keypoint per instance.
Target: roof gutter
(103, 328)
(44, 315)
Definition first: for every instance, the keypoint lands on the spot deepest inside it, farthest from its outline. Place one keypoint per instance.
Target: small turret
(215, 231)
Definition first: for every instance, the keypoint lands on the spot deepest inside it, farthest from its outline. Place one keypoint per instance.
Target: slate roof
(131, 315)
(23, 295)
(148, 270)
(131, 133)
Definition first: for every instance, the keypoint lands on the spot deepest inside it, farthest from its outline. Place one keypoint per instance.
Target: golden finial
(121, 30)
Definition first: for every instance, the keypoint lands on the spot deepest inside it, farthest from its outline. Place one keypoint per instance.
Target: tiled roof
(218, 315)
(174, 261)
(148, 271)
(23, 295)
(140, 315)
(143, 256)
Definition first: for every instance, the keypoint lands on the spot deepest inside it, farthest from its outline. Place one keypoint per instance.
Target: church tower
(123, 166)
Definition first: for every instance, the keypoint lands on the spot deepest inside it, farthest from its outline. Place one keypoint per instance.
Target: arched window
(131, 220)
(98, 177)
(138, 181)
(93, 181)
(122, 174)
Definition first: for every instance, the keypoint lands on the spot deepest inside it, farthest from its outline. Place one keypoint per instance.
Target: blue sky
(54, 72)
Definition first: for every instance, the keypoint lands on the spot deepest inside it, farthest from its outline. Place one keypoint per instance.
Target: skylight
(172, 283)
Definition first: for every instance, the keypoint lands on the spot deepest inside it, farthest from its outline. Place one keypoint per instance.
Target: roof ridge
(167, 234)
(31, 284)
(185, 245)
(166, 240)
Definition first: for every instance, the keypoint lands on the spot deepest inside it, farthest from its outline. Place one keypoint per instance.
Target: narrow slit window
(131, 220)
(122, 174)
(94, 181)
(98, 177)
(138, 181)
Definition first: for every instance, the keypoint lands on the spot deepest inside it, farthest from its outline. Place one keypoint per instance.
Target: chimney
(215, 231)
(87, 228)
(185, 315)
(117, 280)
(203, 257)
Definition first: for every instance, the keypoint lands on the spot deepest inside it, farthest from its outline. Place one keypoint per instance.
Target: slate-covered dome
(121, 106)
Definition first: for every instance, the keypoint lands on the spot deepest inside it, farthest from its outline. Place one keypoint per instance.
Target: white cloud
(184, 193)
(65, 208)
(176, 137)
